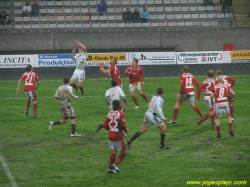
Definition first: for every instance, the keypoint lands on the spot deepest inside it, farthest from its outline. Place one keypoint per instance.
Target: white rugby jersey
(156, 106)
(63, 93)
(80, 60)
(114, 93)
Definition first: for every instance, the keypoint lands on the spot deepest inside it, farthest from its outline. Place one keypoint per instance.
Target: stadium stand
(75, 15)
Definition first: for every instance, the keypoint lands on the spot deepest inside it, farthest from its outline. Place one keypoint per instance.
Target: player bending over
(150, 118)
(115, 124)
(63, 94)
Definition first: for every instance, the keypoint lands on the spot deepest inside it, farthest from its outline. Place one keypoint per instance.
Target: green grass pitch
(38, 157)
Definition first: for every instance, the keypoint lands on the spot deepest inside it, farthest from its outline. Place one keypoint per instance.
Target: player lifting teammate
(29, 79)
(79, 73)
(186, 93)
(136, 79)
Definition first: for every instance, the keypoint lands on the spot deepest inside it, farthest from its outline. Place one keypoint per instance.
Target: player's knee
(164, 128)
(65, 120)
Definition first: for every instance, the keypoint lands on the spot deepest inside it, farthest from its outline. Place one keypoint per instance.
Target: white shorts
(117, 145)
(134, 86)
(78, 75)
(207, 100)
(31, 95)
(151, 119)
(187, 96)
(222, 108)
(67, 112)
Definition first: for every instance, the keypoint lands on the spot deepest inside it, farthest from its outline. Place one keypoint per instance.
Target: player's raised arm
(82, 46)
(73, 54)
(102, 69)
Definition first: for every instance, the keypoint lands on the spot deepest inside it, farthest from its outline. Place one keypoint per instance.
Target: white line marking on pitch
(8, 172)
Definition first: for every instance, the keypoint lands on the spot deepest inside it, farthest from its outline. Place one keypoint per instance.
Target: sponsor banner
(203, 57)
(15, 61)
(93, 59)
(156, 58)
(55, 60)
(240, 56)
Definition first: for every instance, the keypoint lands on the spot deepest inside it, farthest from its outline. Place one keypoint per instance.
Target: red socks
(205, 118)
(198, 111)
(112, 159)
(145, 97)
(232, 111)
(230, 125)
(120, 158)
(28, 104)
(176, 110)
(218, 129)
(34, 108)
(135, 100)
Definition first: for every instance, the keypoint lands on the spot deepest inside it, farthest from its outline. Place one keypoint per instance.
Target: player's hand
(164, 119)
(77, 97)
(73, 50)
(178, 95)
(17, 91)
(143, 83)
(77, 42)
(109, 66)
(126, 130)
(101, 64)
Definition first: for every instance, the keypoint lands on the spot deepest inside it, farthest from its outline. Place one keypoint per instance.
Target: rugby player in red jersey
(230, 82)
(220, 92)
(186, 93)
(115, 124)
(136, 79)
(30, 78)
(207, 86)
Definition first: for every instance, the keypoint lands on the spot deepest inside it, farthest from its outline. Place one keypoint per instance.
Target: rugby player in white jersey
(151, 118)
(63, 94)
(114, 93)
(79, 73)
